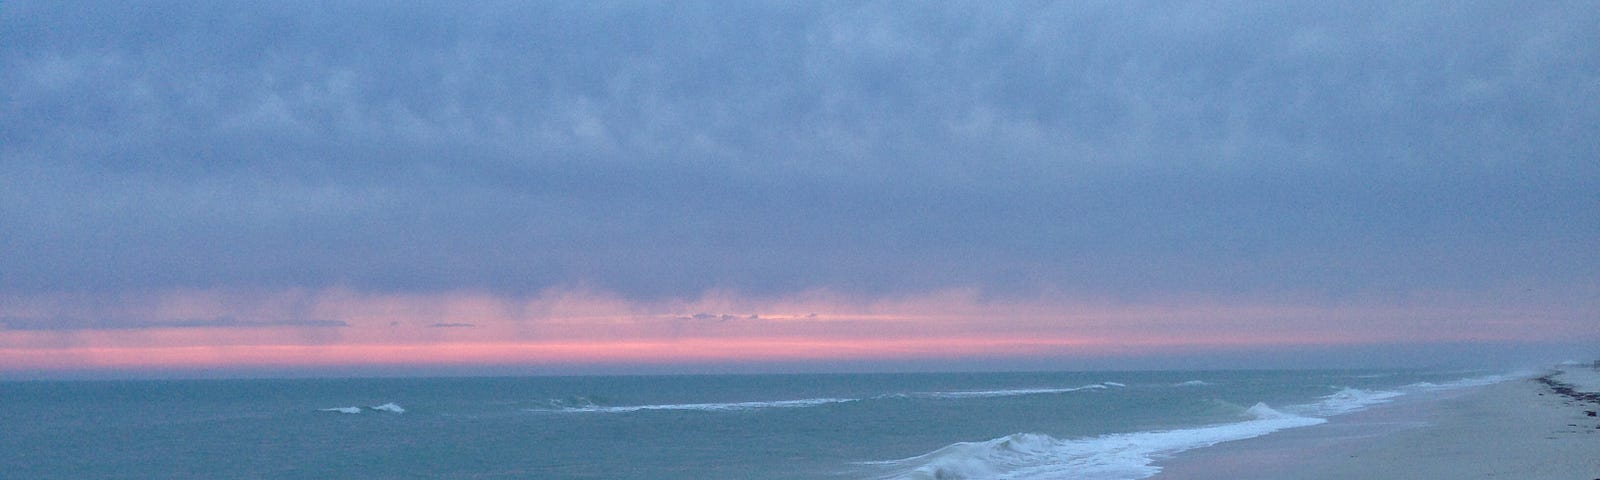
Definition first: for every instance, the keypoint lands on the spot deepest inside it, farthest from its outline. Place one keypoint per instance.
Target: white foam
(1114, 384)
(705, 407)
(586, 406)
(389, 407)
(1263, 412)
(1120, 456)
(1130, 456)
(1350, 400)
(341, 409)
(573, 403)
(1005, 393)
(1468, 382)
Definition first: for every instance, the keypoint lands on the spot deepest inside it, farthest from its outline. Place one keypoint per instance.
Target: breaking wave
(387, 408)
(1470, 382)
(581, 404)
(1351, 400)
(1003, 393)
(1117, 456)
(704, 407)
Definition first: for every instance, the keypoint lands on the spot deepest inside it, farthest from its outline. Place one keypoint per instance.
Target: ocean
(1067, 425)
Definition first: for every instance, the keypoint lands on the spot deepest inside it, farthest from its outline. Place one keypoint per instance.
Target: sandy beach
(1519, 429)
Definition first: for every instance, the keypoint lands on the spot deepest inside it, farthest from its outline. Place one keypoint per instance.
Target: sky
(622, 187)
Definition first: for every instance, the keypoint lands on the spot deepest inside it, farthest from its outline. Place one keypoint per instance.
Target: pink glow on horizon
(591, 352)
(625, 351)
(579, 327)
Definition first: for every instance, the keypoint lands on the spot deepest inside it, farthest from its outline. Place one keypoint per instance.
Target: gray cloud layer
(1120, 148)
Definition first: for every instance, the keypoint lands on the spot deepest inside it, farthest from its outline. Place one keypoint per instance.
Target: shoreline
(1528, 428)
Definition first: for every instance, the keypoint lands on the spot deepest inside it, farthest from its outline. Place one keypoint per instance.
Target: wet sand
(1521, 429)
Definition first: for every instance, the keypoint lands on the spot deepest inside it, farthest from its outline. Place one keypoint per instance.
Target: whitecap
(1468, 382)
(341, 409)
(1005, 393)
(586, 406)
(389, 407)
(1348, 400)
(704, 407)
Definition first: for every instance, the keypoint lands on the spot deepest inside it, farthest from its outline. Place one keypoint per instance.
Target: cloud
(712, 317)
(73, 324)
(662, 151)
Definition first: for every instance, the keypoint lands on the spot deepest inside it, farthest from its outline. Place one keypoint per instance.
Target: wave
(580, 404)
(1118, 456)
(1373, 375)
(1470, 381)
(576, 402)
(1193, 383)
(1349, 400)
(387, 407)
(704, 407)
(1003, 393)
(1114, 384)
(1129, 455)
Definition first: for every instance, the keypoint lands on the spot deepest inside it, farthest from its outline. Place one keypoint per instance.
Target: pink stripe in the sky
(585, 328)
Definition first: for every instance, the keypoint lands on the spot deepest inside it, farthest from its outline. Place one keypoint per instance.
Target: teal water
(1110, 425)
